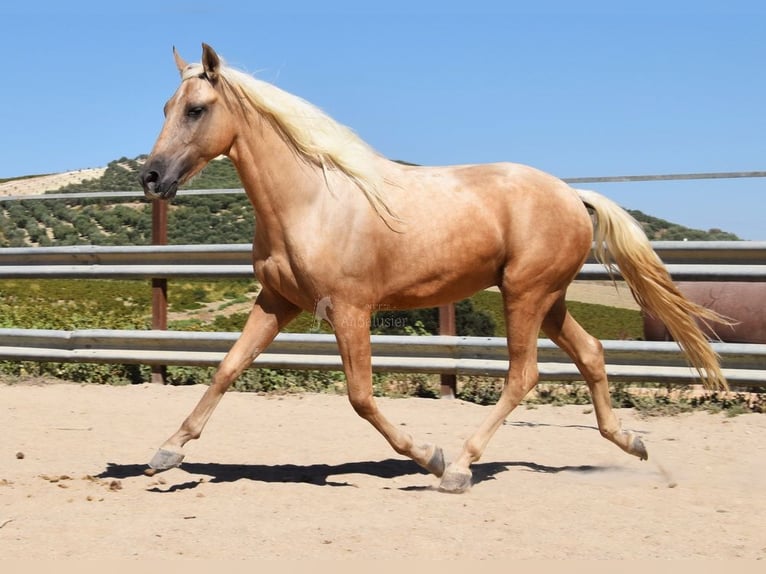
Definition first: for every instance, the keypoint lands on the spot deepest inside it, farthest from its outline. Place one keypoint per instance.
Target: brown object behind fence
(745, 303)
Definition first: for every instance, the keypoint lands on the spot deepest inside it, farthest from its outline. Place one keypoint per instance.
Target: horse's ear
(211, 63)
(180, 62)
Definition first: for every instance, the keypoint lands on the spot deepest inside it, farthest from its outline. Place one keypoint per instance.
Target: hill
(191, 219)
(102, 221)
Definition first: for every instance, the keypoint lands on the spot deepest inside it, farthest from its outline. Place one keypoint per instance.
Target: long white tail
(620, 242)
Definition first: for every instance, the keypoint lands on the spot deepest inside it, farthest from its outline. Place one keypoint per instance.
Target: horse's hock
(744, 303)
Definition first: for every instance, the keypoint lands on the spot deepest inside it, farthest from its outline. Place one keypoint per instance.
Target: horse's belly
(438, 287)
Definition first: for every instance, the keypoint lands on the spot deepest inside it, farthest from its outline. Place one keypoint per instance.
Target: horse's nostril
(149, 179)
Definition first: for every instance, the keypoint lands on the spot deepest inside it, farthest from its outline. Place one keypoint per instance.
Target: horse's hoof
(635, 445)
(455, 480)
(436, 464)
(637, 448)
(165, 459)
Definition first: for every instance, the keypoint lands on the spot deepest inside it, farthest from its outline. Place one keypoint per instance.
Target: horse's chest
(275, 272)
(282, 276)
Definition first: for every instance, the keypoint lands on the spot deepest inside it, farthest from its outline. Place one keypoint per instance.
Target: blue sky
(575, 88)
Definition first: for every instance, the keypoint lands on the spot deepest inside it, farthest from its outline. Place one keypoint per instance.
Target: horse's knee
(363, 404)
(518, 384)
(224, 376)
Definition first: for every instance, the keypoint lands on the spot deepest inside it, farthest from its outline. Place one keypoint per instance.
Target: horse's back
(525, 208)
(466, 225)
(524, 193)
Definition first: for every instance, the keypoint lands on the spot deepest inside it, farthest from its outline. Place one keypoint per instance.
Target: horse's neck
(278, 182)
(289, 193)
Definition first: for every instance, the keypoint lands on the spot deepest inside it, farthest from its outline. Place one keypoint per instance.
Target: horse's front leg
(269, 313)
(352, 331)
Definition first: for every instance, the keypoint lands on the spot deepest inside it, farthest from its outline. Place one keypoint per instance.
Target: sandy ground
(301, 476)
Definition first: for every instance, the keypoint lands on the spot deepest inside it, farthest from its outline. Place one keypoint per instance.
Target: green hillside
(661, 230)
(192, 219)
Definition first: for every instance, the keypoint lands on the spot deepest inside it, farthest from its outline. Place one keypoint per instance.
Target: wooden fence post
(447, 327)
(159, 284)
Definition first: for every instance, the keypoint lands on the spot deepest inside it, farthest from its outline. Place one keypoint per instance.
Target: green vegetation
(660, 230)
(226, 218)
(650, 399)
(600, 320)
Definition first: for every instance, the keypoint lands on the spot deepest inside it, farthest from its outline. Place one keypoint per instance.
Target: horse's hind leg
(587, 353)
(269, 313)
(352, 332)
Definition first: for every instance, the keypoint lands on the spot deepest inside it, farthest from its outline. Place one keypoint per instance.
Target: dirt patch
(303, 477)
(209, 311)
(603, 293)
(42, 183)
(607, 293)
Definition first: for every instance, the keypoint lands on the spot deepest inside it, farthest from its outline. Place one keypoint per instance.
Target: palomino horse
(338, 223)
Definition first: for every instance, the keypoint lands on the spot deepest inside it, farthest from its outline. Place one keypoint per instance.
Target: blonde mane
(313, 134)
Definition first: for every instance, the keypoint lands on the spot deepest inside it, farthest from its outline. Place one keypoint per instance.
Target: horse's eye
(195, 111)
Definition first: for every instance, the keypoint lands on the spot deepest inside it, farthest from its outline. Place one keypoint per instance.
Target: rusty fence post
(159, 284)
(447, 326)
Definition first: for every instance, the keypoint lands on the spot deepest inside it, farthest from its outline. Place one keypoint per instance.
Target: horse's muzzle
(156, 184)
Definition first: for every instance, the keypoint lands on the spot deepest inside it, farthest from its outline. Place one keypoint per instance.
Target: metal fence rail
(627, 361)
(686, 261)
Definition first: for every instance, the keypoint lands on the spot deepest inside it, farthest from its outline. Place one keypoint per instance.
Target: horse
(339, 225)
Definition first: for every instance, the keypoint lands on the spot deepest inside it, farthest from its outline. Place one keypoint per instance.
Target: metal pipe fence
(627, 361)
(685, 260)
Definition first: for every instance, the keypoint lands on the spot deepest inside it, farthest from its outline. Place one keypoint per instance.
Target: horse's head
(198, 127)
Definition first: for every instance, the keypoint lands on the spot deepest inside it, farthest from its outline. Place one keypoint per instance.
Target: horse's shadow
(321, 474)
